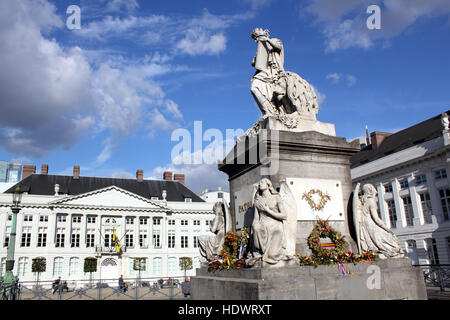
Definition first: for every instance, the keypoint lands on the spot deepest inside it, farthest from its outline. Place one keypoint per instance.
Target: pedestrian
(186, 287)
(56, 285)
(123, 287)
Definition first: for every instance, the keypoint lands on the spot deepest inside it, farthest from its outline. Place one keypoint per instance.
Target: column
(51, 229)
(398, 204)
(83, 231)
(434, 197)
(98, 236)
(3, 220)
(164, 232)
(383, 206)
(68, 237)
(416, 203)
(34, 229)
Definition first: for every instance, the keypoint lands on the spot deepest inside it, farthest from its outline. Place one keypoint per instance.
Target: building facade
(66, 219)
(10, 174)
(215, 195)
(410, 170)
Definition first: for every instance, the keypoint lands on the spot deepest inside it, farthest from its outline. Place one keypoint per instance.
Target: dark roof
(42, 184)
(406, 138)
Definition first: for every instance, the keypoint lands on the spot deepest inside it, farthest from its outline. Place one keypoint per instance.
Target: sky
(109, 95)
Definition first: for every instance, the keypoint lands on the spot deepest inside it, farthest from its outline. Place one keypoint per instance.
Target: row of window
(419, 180)
(76, 266)
(426, 208)
(431, 249)
(92, 219)
(107, 238)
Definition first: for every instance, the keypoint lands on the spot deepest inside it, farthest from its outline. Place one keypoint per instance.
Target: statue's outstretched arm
(376, 219)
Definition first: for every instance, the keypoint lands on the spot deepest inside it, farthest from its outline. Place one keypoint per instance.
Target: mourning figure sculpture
(371, 232)
(210, 246)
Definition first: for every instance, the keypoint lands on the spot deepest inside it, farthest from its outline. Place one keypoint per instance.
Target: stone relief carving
(274, 225)
(372, 234)
(210, 246)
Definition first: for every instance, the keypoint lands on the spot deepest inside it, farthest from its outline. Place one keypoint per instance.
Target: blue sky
(108, 96)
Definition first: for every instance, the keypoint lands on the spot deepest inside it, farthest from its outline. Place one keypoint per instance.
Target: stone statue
(210, 246)
(271, 236)
(444, 121)
(278, 93)
(372, 234)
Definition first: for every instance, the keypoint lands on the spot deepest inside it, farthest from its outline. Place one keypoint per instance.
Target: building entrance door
(110, 271)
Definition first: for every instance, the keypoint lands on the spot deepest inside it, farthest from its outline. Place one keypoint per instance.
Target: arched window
(58, 266)
(23, 266)
(3, 267)
(73, 266)
(431, 247)
(411, 251)
(157, 263)
(172, 267)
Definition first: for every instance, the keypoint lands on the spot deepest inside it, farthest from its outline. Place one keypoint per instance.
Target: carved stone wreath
(324, 198)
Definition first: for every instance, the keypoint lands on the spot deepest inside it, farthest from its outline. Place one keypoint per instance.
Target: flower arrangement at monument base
(230, 253)
(331, 253)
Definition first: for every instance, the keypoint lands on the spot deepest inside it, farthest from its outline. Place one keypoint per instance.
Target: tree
(90, 265)
(139, 264)
(185, 264)
(38, 266)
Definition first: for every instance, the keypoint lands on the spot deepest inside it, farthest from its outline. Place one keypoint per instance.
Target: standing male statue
(278, 92)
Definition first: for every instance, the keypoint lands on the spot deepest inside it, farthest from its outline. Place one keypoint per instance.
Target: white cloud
(198, 41)
(256, 4)
(333, 76)
(44, 88)
(337, 77)
(343, 22)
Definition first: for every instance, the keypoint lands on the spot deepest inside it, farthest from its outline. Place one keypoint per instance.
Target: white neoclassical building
(66, 219)
(410, 170)
(215, 195)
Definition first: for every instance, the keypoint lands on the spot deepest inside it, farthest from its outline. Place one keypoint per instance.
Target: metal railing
(10, 291)
(436, 275)
(103, 289)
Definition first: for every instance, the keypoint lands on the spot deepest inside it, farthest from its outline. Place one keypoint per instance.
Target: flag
(342, 269)
(116, 242)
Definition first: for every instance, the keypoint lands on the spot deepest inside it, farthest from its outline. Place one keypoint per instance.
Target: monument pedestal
(391, 279)
(297, 158)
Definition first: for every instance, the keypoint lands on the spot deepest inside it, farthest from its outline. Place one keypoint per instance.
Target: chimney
(140, 175)
(44, 169)
(28, 171)
(76, 172)
(179, 178)
(167, 175)
(376, 138)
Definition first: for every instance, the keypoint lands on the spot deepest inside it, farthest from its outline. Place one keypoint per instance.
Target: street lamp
(9, 280)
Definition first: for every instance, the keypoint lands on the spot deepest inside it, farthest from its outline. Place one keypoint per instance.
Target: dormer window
(187, 199)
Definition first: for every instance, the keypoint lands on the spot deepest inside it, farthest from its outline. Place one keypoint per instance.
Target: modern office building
(66, 219)
(10, 174)
(410, 170)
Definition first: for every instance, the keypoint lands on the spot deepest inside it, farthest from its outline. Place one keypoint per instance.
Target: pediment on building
(110, 197)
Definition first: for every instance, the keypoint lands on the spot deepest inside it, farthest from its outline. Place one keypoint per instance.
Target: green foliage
(90, 264)
(38, 265)
(185, 263)
(230, 252)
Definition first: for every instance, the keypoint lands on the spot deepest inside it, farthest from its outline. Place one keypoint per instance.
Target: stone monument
(287, 172)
